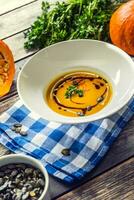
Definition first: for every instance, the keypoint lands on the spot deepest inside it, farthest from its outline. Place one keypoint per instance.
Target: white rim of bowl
(90, 118)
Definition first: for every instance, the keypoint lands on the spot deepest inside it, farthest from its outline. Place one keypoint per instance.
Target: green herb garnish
(73, 90)
(72, 19)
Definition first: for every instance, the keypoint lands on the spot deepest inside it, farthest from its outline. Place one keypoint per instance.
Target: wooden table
(113, 178)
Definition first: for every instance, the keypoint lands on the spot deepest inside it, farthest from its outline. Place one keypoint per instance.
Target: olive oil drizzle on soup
(78, 94)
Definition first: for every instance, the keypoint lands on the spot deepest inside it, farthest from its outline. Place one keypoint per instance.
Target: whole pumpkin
(7, 68)
(122, 27)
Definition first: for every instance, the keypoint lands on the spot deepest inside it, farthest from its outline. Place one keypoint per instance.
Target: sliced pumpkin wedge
(7, 68)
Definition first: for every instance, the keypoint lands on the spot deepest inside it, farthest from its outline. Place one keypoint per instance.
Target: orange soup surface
(78, 94)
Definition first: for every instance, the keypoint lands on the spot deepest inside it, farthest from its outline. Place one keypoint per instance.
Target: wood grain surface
(116, 184)
(16, 44)
(17, 20)
(8, 6)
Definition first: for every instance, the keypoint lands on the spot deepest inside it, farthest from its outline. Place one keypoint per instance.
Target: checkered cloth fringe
(87, 142)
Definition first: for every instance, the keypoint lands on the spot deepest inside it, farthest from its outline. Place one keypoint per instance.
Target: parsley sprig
(71, 19)
(73, 90)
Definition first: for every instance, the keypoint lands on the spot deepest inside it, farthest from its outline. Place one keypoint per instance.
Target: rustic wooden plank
(4, 105)
(3, 150)
(16, 44)
(18, 24)
(116, 184)
(18, 19)
(7, 6)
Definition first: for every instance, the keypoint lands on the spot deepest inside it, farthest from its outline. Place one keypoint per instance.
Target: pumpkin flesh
(7, 68)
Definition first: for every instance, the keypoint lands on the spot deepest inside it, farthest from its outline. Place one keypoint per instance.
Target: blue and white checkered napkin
(87, 142)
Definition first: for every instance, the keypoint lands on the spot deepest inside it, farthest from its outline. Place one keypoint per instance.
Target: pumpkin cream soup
(78, 94)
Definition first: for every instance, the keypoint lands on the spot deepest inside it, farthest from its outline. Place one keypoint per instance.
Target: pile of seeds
(17, 128)
(20, 182)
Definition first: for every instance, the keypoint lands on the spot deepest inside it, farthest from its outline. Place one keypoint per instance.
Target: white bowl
(73, 55)
(19, 158)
